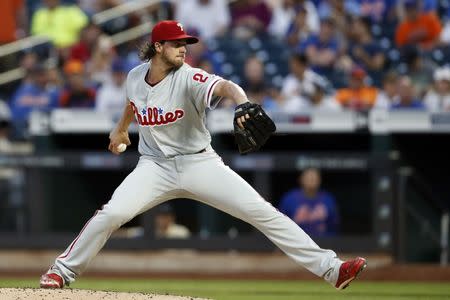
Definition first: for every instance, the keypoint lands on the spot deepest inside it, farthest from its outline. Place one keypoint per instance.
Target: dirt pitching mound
(74, 294)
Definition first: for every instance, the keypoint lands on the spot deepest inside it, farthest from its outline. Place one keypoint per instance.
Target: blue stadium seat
(227, 69)
(277, 81)
(270, 68)
(394, 55)
(376, 30)
(255, 44)
(385, 43)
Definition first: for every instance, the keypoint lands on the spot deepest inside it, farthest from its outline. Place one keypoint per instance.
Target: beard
(172, 62)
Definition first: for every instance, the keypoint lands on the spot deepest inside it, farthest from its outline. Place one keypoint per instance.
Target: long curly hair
(147, 50)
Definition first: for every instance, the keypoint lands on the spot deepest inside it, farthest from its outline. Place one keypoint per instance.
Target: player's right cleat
(348, 271)
(51, 281)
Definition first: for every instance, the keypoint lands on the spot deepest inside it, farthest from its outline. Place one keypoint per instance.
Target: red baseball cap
(170, 30)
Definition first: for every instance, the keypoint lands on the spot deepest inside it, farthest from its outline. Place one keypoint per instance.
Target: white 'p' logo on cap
(181, 26)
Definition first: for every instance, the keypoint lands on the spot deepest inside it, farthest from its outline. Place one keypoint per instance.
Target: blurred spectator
(29, 60)
(32, 94)
(313, 209)
(60, 23)
(12, 208)
(118, 23)
(166, 226)
(338, 11)
(198, 52)
(78, 92)
(329, 8)
(376, 10)
(429, 5)
(112, 95)
(407, 96)
(206, 66)
(423, 6)
(92, 7)
(322, 49)
(5, 173)
(99, 66)
(445, 34)
(83, 49)
(254, 82)
(89, 7)
(363, 50)
(315, 98)
(274, 102)
(418, 28)
(417, 68)
(14, 21)
(249, 18)
(299, 28)
(390, 19)
(299, 78)
(437, 99)
(55, 79)
(211, 18)
(389, 92)
(8, 145)
(5, 123)
(358, 95)
(294, 18)
(130, 53)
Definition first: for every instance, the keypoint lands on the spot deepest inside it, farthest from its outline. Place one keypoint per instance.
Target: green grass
(259, 289)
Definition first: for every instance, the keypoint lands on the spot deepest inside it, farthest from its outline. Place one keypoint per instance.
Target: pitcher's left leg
(217, 185)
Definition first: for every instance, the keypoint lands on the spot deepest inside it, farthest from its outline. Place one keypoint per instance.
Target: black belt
(201, 151)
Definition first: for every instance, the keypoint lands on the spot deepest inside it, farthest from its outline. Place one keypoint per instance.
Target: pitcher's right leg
(144, 186)
(217, 185)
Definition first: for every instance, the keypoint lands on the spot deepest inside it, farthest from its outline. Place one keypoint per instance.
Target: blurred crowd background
(288, 55)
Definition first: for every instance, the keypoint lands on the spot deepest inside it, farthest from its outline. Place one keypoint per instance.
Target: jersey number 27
(200, 77)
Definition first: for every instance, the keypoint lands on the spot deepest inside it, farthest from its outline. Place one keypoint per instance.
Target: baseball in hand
(121, 147)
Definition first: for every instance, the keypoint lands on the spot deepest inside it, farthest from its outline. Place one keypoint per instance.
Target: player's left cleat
(51, 281)
(348, 271)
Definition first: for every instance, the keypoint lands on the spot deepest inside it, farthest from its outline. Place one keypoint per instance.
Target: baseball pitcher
(168, 99)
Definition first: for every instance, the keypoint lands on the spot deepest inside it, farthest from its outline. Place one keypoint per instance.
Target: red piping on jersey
(208, 99)
(73, 243)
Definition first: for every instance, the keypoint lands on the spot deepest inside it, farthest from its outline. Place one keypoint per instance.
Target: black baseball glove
(257, 128)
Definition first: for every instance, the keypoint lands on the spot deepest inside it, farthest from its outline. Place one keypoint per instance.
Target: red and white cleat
(51, 281)
(348, 271)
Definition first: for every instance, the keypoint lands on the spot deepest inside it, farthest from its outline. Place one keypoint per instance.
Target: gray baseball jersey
(171, 114)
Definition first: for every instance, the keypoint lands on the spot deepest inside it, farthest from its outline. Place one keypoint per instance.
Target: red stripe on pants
(73, 243)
